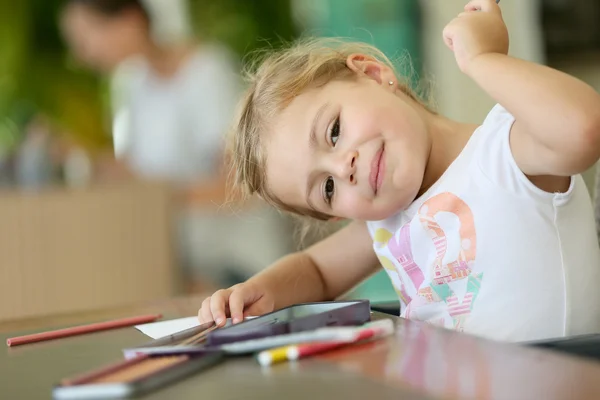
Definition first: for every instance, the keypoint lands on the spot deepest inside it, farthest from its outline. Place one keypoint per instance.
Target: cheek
(111, 42)
(351, 205)
(361, 124)
(91, 41)
(110, 50)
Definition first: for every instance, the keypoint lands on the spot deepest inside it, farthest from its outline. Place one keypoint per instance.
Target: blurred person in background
(172, 104)
(34, 166)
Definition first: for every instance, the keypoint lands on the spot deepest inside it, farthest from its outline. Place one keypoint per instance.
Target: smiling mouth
(376, 176)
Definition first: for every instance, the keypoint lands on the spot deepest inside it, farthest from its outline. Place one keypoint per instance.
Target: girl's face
(350, 149)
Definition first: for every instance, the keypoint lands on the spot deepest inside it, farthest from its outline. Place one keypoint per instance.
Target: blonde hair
(279, 78)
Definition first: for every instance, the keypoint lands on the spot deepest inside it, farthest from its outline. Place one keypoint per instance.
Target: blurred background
(113, 116)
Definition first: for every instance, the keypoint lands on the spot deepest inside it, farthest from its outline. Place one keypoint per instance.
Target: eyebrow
(312, 144)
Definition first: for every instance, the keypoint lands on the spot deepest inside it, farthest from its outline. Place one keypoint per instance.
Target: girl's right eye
(334, 133)
(329, 190)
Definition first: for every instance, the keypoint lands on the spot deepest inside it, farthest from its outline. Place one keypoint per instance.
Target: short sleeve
(496, 161)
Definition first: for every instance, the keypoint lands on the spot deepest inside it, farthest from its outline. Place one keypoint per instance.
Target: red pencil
(309, 349)
(79, 330)
(375, 330)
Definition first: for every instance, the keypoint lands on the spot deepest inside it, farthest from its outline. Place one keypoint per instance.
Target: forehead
(80, 11)
(79, 16)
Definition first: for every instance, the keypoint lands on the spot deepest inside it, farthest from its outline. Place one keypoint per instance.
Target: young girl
(483, 229)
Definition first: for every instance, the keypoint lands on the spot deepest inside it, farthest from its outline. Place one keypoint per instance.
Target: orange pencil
(79, 330)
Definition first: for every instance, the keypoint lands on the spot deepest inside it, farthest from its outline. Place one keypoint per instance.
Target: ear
(364, 65)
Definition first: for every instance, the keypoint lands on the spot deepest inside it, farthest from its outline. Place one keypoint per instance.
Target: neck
(447, 140)
(166, 61)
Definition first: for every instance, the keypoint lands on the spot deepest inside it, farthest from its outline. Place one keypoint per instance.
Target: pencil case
(135, 376)
(296, 318)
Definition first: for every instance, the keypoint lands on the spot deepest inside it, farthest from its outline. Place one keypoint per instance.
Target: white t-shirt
(173, 128)
(486, 252)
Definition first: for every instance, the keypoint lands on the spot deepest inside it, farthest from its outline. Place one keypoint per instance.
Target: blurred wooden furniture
(418, 362)
(72, 250)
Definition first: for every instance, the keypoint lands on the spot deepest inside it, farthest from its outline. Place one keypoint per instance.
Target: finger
(204, 314)
(236, 305)
(239, 299)
(218, 302)
(447, 36)
(449, 43)
(482, 5)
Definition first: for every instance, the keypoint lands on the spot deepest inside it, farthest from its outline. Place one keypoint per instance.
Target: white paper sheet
(160, 329)
(164, 328)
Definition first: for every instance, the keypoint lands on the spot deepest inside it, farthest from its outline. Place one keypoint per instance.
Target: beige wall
(64, 251)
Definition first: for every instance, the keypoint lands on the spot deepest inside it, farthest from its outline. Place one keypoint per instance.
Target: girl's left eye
(329, 190)
(334, 133)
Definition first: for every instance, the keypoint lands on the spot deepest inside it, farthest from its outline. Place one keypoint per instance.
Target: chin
(379, 215)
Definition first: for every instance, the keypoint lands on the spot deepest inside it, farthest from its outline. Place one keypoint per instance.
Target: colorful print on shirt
(442, 290)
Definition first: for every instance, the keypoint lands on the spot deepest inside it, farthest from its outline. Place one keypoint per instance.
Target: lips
(376, 175)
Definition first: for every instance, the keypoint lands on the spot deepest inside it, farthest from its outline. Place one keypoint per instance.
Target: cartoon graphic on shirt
(388, 265)
(445, 290)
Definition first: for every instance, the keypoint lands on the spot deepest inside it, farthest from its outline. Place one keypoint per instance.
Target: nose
(346, 168)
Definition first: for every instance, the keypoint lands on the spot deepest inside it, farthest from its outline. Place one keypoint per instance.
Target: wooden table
(418, 362)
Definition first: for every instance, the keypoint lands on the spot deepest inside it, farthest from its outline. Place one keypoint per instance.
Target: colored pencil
(199, 337)
(103, 371)
(295, 352)
(82, 329)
